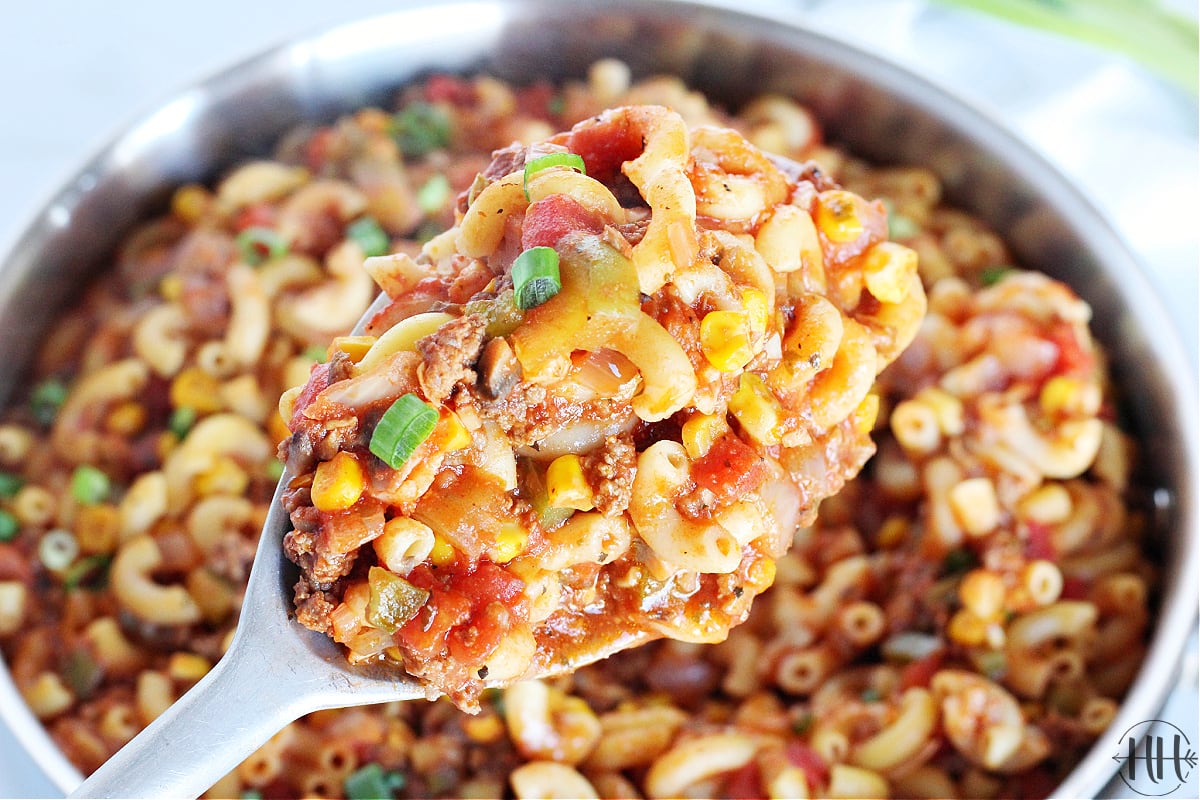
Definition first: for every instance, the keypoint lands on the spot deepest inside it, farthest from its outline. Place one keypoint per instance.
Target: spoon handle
(205, 734)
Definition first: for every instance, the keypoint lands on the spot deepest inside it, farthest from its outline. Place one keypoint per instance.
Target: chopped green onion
(803, 723)
(258, 244)
(990, 276)
(370, 782)
(251, 794)
(317, 353)
(10, 484)
(433, 194)
(82, 673)
(540, 163)
(420, 128)
(275, 469)
(870, 695)
(89, 573)
(402, 428)
(368, 235)
(10, 526)
(535, 277)
(902, 227)
(181, 421)
(556, 105)
(46, 399)
(89, 485)
(959, 560)
(57, 549)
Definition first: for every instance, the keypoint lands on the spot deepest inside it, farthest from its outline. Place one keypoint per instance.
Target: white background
(74, 72)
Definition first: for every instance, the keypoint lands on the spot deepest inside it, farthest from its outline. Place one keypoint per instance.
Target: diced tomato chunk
(318, 381)
(605, 146)
(745, 783)
(450, 89)
(729, 469)
(257, 215)
(816, 771)
(1039, 545)
(473, 642)
(1073, 359)
(921, 671)
(553, 217)
(1074, 588)
(316, 151)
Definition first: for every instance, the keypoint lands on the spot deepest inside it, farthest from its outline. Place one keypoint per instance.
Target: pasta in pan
(988, 559)
(624, 450)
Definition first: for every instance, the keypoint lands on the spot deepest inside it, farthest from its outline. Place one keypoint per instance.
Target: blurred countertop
(76, 72)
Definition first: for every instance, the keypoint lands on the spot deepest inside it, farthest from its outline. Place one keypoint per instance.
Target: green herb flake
(370, 236)
(371, 782)
(990, 276)
(803, 723)
(902, 227)
(10, 484)
(88, 573)
(871, 695)
(89, 485)
(420, 128)
(46, 399)
(434, 194)
(181, 421)
(259, 244)
(10, 526)
(959, 560)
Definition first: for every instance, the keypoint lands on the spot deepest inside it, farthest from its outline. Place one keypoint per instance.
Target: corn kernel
(195, 389)
(453, 434)
(700, 431)
(1065, 396)
(484, 728)
(947, 409)
(171, 287)
(191, 203)
(888, 270)
(277, 429)
(126, 419)
(443, 553)
(866, 413)
(893, 532)
(226, 476)
(761, 574)
(725, 340)
(566, 485)
(510, 542)
(758, 312)
(974, 505)
(982, 593)
(96, 528)
(967, 629)
(338, 483)
(187, 667)
(353, 346)
(838, 216)
(756, 409)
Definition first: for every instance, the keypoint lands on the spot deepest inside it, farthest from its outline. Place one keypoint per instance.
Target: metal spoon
(274, 672)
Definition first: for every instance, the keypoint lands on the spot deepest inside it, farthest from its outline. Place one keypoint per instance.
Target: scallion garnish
(181, 421)
(89, 573)
(902, 227)
(46, 399)
(275, 469)
(89, 485)
(434, 193)
(258, 244)
(371, 782)
(540, 163)
(420, 128)
(535, 277)
(991, 275)
(402, 428)
(10, 484)
(369, 236)
(10, 526)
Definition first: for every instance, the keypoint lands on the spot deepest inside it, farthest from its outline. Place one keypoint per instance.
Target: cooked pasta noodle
(961, 620)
